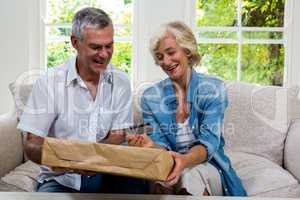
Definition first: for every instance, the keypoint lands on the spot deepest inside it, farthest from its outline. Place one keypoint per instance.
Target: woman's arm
(149, 112)
(211, 110)
(195, 156)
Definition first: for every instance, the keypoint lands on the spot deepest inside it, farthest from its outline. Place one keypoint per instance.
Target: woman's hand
(140, 141)
(180, 165)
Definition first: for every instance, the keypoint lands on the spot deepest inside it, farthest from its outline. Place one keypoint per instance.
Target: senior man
(86, 98)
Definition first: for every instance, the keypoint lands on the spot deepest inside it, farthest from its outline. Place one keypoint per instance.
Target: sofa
(261, 131)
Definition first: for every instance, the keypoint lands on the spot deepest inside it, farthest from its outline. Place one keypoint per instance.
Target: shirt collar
(72, 71)
(73, 75)
(107, 76)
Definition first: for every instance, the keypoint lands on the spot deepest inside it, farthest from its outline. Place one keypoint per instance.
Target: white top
(185, 138)
(61, 106)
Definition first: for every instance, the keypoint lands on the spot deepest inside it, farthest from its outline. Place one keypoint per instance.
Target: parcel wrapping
(145, 163)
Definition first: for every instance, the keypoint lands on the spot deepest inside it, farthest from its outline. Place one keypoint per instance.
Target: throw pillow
(23, 177)
(257, 119)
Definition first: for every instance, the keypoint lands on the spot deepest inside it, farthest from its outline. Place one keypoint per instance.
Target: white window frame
(48, 38)
(143, 69)
(239, 29)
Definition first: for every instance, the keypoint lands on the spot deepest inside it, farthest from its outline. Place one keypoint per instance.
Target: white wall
(13, 46)
(19, 44)
(294, 73)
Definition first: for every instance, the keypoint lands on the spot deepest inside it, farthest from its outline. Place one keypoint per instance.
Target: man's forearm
(33, 148)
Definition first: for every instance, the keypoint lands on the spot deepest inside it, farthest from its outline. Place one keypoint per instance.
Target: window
(58, 29)
(242, 40)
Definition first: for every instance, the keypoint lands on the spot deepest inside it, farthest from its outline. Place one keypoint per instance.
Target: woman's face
(172, 58)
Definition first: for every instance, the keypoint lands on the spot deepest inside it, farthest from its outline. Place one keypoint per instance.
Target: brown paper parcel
(146, 163)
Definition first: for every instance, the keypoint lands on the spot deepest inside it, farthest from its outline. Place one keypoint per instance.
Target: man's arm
(122, 111)
(36, 119)
(34, 144)
(33, 147)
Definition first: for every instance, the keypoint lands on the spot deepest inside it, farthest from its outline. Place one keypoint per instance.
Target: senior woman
(186, 111)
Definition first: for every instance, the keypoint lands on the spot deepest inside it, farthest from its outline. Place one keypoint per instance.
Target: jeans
(100, 183)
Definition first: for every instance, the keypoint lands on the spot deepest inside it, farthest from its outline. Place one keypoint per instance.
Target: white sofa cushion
(292, 149)
(262, 177)
(21, 88)
(11, 150)
(20, 93)
(257, 119)
(23, 177)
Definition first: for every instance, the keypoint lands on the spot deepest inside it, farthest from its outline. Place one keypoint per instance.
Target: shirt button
(220, 171)
(226, 189)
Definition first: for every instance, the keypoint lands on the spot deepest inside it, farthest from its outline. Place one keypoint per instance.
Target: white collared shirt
(61, 106)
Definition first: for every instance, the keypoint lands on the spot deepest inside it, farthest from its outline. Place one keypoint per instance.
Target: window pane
(123, 21)
(219, 60)
(62, 12)
(263, 35)
(258, 13)
(122, 56)
(263, 64)
(58, 53)
(216, 13)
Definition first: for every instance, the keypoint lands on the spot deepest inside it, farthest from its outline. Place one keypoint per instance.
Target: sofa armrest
(11, 147)
(292, 149)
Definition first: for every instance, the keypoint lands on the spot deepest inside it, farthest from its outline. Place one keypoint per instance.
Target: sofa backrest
(258, 117)
(256, 120)
(11, 148)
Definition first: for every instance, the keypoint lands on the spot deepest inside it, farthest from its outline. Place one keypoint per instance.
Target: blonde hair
(184, 38)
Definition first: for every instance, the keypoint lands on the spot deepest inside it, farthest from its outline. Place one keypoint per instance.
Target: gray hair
(184, 38)
(90, 16)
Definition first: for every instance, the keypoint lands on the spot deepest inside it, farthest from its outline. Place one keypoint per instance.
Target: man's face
(94, 50)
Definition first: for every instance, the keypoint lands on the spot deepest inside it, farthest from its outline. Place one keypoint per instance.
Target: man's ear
(74, 41)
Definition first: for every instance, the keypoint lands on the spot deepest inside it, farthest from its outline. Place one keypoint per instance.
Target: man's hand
(114, 137)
